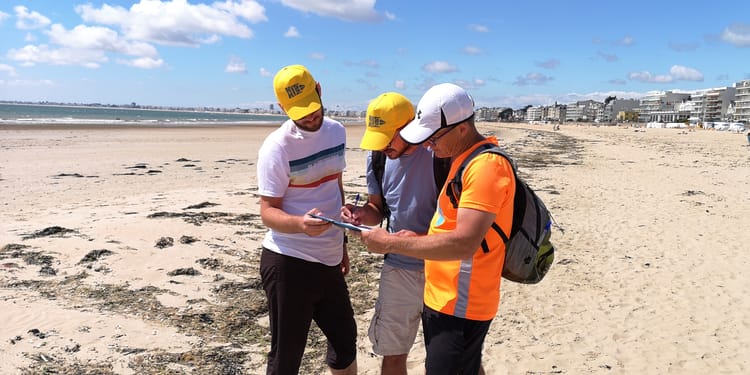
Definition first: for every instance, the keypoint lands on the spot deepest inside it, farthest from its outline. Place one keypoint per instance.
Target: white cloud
(532, 79)
(354, 10)
(292, 32)
(472, 50)
(98, 38)
(646, 76)
(3, 16)
(178, 22)
(479, 28)
(684, 73)
(248, 9)
(131, 31)
(29, 20)
(470, 85)
(737, 34)
(235, 65)
(29, 37)
(626, 41)
(399, 84)
(390, 16)
(264, 72)
(8, 69)
(439, 67)
(317, 56)
(31, 55)
(676, 73)
(143, 63)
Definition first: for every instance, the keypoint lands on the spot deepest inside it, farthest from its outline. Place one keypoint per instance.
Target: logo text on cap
(294, 90)
(376, 122)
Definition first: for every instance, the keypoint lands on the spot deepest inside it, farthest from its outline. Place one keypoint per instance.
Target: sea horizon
(68, 114)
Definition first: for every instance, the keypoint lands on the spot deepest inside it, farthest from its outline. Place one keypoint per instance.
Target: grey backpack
(528, 250)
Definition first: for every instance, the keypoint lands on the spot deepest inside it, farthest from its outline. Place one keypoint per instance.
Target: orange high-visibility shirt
(470, 288)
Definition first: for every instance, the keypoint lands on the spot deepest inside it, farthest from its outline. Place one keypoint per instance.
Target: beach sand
(135, 250)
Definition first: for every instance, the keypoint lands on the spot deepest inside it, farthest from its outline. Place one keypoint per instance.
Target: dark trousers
(299, 292)
(454, 345)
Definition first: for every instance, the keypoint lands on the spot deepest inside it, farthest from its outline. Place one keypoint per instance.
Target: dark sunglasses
(433, 140)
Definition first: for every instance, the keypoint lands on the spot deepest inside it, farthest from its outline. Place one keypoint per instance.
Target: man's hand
(376, 240)
(366, 214)
(312, 226)
(351, 214)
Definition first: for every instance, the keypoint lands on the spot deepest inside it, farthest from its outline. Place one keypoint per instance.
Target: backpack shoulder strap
(455, 186)
(440, 169)
(378, 168)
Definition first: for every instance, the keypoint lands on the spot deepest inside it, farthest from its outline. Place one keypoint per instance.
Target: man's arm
(460, 243)
(275, 218)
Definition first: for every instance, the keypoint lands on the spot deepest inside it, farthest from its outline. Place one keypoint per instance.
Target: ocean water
(29, 114)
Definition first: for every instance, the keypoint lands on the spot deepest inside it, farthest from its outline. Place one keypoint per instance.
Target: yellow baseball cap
(385, 115)
(295, 91)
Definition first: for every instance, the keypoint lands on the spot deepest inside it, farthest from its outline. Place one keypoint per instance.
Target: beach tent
(737, 127)
(720, 125)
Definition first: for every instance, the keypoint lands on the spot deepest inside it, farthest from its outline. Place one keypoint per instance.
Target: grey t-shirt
(411, 195)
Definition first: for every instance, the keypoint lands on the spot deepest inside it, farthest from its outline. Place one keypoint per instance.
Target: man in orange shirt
(462, 281)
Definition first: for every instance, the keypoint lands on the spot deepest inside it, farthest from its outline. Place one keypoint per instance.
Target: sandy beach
(135, 250)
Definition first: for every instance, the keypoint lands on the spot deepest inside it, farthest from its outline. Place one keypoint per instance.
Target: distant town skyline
(224, 54)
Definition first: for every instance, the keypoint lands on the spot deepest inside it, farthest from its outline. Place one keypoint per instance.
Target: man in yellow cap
(402, 189)
(462, 279)
(304, 259)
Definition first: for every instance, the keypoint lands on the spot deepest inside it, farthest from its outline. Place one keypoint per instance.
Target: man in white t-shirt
(304, 259)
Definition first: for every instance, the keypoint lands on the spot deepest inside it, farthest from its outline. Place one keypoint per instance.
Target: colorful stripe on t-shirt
(327, 163)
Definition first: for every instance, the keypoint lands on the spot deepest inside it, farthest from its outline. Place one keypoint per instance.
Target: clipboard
(341, 224)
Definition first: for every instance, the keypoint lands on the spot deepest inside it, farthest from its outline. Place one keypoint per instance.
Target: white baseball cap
(442, 106)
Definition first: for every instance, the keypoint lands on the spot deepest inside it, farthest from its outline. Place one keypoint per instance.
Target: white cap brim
(417, 131)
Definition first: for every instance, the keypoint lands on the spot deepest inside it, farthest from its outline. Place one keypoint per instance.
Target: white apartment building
(742, 102)
(534, 113)
(717, 102)
(585, 110)
(663, 106)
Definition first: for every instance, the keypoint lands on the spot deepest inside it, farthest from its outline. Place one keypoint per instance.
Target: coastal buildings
(705, 106)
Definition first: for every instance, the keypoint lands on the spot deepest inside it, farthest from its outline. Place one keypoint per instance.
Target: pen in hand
(356, 202)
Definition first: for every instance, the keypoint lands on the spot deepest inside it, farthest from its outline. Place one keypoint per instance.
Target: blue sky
(225, 53)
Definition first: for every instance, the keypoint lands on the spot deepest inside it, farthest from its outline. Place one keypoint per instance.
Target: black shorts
(454, 345)
(299, 292)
